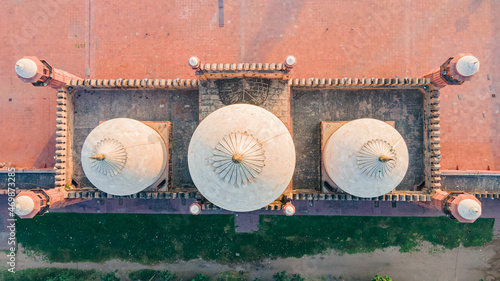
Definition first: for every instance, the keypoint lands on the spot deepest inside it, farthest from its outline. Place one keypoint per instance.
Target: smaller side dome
(123, 156)
(366, 158)
(23, 205)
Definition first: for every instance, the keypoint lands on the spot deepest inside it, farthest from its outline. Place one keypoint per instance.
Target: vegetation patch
(51, 274)
(70, 237)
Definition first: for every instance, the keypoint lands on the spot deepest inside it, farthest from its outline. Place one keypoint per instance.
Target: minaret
(454, 71)
(290, 62)
(195, 208)
(37, 202)
(41, 73)
(289, 209)
(456, 204)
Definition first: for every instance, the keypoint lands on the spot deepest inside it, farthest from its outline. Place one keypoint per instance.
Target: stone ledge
(359, 82)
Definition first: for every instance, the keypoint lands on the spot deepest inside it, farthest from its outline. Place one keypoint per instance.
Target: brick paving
(107, 39)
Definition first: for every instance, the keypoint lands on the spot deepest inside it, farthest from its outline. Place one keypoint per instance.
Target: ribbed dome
(366, 158)
(123, 156)
(371, 161)
(109, 157)
(23, 205)
(238, 158)
(241, 157)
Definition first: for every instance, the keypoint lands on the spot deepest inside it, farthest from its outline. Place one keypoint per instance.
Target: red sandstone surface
(330, 39)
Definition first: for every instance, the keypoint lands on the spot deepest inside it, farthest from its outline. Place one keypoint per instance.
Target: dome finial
(374, 165)
(384, 158)
(98, 157)
(237, 158)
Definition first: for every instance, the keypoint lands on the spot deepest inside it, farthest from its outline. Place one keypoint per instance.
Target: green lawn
(65, 237)
(50, 274)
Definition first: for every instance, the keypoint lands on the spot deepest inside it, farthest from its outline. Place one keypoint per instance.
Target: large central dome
(241, 157)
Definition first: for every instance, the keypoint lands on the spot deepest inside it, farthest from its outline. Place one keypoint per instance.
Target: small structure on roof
(241, 157)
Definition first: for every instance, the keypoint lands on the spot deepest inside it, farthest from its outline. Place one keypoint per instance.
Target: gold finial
(385, 158)
(98, 157)
(237, 158)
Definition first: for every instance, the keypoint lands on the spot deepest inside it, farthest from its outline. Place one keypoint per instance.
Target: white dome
(194, 61)
(241, 157)
(467, 66)
(469, 209)
(26, 68)
(289, 210)
(290, 60)
(366, 158)
(194, 209)
(23, 205)
(123, 156)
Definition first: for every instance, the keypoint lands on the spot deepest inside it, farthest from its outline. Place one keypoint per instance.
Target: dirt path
(459, 264)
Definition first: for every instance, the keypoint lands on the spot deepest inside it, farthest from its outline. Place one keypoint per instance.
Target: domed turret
(40, 73)
(241, 157)
(455, 71)
(26, 68)
(464, 207)
(123, 156)
(469, 209)
(467, 65)
(24, 205)
(366, 158)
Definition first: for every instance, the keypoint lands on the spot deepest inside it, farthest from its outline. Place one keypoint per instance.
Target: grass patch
(232, 276)
(51, 274)
(65, 237)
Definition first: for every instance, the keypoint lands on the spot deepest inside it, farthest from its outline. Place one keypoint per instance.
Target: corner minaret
(454, 71)
(457, 205)
(37, 202)
(41, 73)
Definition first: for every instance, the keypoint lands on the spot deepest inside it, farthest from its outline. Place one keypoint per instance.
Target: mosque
(251, 136)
